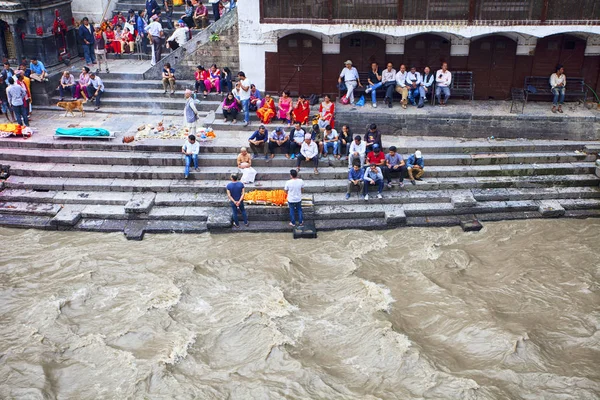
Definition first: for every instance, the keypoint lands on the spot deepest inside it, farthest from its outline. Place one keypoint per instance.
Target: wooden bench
(364, 80)
(575, 88)
(462, 85)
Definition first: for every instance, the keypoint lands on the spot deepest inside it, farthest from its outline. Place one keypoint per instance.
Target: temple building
(300, 45)
(37, 28)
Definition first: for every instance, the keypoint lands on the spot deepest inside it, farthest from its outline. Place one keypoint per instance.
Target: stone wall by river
(512, 312)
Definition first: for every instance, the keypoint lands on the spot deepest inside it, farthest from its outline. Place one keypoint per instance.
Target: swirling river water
(511, 312)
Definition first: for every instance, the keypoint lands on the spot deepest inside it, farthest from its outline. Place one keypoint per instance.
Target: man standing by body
(235, 194)
(293, 187)
(155, 30)
(86, 33)
(242, 91)
(190, 112)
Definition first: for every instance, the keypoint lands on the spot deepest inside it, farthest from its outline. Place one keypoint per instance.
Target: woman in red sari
(327, 113)
(113, 45)
(267, 111)
(301, 111)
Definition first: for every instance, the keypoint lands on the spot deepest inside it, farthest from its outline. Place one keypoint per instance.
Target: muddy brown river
(512, 312)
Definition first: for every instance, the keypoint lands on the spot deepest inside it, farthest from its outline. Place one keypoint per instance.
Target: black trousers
(400, 173)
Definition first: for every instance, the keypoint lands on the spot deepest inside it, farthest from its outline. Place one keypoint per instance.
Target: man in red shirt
(376, 156)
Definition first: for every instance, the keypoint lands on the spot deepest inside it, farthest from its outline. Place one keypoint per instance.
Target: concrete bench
(575, 88)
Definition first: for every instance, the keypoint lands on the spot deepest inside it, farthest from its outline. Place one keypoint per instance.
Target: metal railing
(473, 12)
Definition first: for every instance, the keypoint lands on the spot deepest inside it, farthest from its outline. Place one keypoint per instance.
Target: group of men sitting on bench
(411, 85)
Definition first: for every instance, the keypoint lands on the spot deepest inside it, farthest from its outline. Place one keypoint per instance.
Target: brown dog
(71, 106)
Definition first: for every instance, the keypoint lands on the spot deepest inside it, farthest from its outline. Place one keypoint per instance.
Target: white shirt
(555, 80)
(294, 189)
(388, 76)
(331, 136)
(401, 78)
(97, 83)
(154, 29)
(191, 148)
(244, 94)
(309, 150)
(349, 74)
(180, 35)
(445, 79)
(358, 148)
(410, 76)
(427, 82)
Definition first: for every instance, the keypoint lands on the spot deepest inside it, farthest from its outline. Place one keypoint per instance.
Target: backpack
(313, 99)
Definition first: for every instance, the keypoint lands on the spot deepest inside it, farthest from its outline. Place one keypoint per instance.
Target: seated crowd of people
(412, 86)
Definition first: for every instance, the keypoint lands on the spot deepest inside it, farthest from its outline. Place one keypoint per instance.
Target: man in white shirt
(357, 151)
(190, 150)
(155, 30)
(401, 87)
(179, 37)
(296, 140)
(309, 152)
(350, 77)
(388, 78)
(330, 139)
(95, 89)
(293, 187)
(426, 82)
(443, 78)
(558, 82)
(413, 81)
(242, 92)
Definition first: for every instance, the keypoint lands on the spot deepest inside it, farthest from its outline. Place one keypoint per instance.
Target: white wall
(93, 9)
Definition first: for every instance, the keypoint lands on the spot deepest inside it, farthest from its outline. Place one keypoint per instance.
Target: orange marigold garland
(272, 197)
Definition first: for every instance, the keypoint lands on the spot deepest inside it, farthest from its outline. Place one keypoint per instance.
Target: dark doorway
(426, 50)
(559, 49)
(300, 65)
(363, 49)
(492, 61)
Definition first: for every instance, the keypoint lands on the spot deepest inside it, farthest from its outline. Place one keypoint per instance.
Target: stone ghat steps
(218, 199)
(141, 84)
(88, 107)
(155, 105)
(311, 186)
(64, 170)
(493, 149)
(96, 157)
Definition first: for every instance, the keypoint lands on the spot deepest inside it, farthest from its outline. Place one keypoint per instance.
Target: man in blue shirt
(258, 141)
(416, 167)
(235, 194)
(38, 71)
(86, 33)
(355, 179)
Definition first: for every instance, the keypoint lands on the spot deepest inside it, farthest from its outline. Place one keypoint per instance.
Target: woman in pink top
(284, 108)
(215, 78)
(82, 83)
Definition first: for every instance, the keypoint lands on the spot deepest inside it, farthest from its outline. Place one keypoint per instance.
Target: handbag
(361, 101)
(344, 99)
(342, 86)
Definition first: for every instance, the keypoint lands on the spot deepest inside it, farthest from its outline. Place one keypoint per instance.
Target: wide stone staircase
(139, 188)
(125, 5)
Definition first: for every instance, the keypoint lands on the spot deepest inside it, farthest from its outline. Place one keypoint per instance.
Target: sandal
(560, 110)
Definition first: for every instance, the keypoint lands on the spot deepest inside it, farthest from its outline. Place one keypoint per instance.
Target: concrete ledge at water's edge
(467, 125)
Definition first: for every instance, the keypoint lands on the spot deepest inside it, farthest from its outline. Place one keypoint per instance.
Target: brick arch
(363, 49)
(568, 50)
(492, 59)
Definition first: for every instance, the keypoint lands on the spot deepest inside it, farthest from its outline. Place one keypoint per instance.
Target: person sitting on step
(168, 78)
(309, 152)
(284, 108)
(374, 83)
(244, 164)
(200, 16)
(126, 40)
(376, 156)
(327, 112)
(443, 78)
(259, 141)
(373, 178)
(401, 87)
(201, 76)
(388, 79)
(190, 150)
(279, 139)
(394, 167)
(179, 36)
(67, 82)
(266, 112)
(38, 71)
(231, 108)
(345, 137)
(357, 151)
(317, 136)
(330, 140)
(296, 139)
(301, 111)
(416, 167)
(373, 136)
(95, 89)
(413, 81)
(355, 179)
(255, 98)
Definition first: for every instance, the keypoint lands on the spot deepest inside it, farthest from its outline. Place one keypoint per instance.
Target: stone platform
(138, 188)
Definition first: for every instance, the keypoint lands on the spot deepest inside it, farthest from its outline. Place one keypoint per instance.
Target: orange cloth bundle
(273, 197)
(15, 129)
(210, 134)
